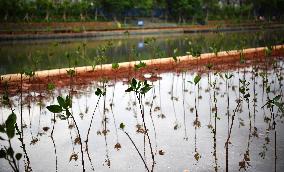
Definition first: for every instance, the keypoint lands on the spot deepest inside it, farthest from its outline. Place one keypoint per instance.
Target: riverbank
(107, 29)
(226, 60)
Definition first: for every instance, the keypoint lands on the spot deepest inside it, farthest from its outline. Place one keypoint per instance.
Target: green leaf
(71, 72)
(115, 66)
(197, 78)
(121, 126)
(18, 156)
(242, 90)
(133, 83)
(140, 65)
(68, 101)
(175, 55)
(2, 153)
(5, 99)
(209, 66)
(54, 108)
(50, 86)
(228, 76)
(190, 82)
(277, 98)
(98, 92)
(129, 89)
(10, 125)
(61, 102)
(29, 72)
(145, 89)
(10, 152)
(247, 95)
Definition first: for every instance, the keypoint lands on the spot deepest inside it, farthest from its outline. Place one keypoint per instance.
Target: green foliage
(186, 9)
(228, 76)
(2, 153)
(268, 50)
(99, 92)
(5, 99)
(64, 105)
(115, 66)
(54, 108)
(29, 72)
(244, 89)
(209, 66)
(175, 55)
(194, 49)
(122, 126)
(242, 58)
(196, 79)
(2, 128)
(10, 125)
(215, 48)
(276, 101)
(50, 86)
(180, 10)
(140, 65)
(71, 72)
(138, 87)
(18, 156)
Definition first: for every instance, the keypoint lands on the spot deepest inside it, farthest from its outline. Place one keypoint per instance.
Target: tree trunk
(207, 15)
(47, 16)
(6, 16)
(82, 17)
(96, 14)
(64, 15)
(27, 17)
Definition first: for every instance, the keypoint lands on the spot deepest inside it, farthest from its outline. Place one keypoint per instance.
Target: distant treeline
(175, 10)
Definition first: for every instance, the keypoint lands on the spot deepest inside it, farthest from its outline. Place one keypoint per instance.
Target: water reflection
(16, 56)
(221, 123)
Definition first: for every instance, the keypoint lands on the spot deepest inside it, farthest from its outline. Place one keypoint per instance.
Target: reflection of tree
(183, 105)
(173, 98)
(214, 130)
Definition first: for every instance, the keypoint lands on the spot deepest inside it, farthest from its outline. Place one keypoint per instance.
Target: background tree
(116, 8)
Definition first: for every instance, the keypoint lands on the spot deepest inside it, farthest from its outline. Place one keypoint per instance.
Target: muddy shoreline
(86, 75)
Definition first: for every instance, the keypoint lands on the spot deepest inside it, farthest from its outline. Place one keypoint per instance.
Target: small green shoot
(99, 92)
(115, 66)
(122, 126)
(138, 87)
(140, 65)
(175, 55)
(50, 86)
(63, 105)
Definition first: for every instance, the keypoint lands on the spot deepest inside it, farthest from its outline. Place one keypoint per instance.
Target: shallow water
(41, 55)
(173, 128)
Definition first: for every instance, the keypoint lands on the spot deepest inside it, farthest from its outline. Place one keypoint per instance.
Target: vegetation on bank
(199, 11)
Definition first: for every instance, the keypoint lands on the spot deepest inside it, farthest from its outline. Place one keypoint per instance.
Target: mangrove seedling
(194, 50)
(64, 105)
(175, 55)
(7, 152)
(122, 126)
(141, 88)
(115, 66)
(140, 65)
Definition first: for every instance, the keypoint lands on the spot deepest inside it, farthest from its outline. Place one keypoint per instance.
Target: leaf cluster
(141, 87)
(63, 106)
